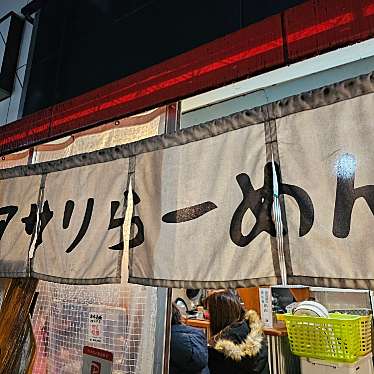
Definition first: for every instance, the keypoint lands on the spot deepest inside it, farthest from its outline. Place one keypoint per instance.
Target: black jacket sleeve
(199, 349)
(188, 350)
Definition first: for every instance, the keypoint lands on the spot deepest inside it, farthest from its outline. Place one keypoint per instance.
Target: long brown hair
(176, 317)
(224, 308)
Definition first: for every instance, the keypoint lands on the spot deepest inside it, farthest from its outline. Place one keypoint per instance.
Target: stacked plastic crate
(339, 344)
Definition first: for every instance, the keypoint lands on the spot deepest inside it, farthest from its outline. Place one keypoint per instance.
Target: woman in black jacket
(188, 348)
(237, 345)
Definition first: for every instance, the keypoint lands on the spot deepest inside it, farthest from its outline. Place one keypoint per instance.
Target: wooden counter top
(204, 324)
(200, 323)
(277, 331)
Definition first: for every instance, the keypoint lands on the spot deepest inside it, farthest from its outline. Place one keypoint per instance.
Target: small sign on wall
(95, 327)
(266, 306)
(97, 361)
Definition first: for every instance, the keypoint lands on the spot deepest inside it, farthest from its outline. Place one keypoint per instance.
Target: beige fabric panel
(101, 137)
(326, 151)
(188, 190)
(199, 180)
(16, 198)
(92, 189)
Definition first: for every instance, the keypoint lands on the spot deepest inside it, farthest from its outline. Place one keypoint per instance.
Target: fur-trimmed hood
(241, 339)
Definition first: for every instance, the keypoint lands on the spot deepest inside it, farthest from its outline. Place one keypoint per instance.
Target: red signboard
(96, 361)
(306, 30)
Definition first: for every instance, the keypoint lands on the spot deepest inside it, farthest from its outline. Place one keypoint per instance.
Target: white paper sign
(266, 306)
(95, 327)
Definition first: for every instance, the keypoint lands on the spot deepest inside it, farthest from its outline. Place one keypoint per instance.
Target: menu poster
(95, 327)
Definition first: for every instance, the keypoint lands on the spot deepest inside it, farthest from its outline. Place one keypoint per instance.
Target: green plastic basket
(365, 335)
(336, 338)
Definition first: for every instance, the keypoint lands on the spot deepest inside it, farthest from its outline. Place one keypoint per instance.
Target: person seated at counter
(188, 347)
(237, 343)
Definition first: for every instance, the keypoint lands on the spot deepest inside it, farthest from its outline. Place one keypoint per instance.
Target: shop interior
(273, 303)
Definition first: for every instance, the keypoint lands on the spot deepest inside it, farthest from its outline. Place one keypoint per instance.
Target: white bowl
(311, 308)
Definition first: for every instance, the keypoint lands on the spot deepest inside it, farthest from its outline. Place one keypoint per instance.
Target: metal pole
(159, 348)
(167, 331)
